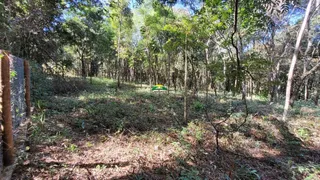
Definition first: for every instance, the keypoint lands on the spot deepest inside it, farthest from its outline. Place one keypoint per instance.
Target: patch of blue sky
(191, 6)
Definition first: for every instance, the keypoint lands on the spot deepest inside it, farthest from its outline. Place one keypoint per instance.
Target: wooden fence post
(8, 146)
(27, 87)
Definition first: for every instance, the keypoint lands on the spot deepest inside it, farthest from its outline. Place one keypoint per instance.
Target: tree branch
(304, 75)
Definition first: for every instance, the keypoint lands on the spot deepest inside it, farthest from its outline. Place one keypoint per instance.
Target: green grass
(138, 115)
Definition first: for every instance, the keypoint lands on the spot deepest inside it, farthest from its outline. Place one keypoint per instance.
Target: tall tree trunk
(168, 71)
(306, 59)
(316, 88)
(316, 96)
(207, 76)
(235, 45)
(118, 63)
(185, 109)
(192, 77)
(278, 86)
(149, 67)
(155, 72)
(225, 78)
(273, 74)
(83, 65)
(294, 60)
(251, 87)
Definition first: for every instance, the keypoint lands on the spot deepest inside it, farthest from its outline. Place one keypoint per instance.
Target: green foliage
(151, 108)
(307, 172)
(198, 106)
(72, 148)
(68, 85)
(41, 83)
(190, 174)
(146, 42)
(38, 125)
(101, 167)
(87, 36)
(194, 130)
(13, 74)
(304, 133)
(89, 144)
(247, 172)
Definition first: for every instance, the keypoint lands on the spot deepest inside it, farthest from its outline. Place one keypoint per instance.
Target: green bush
(198, 106)
(41, 83)
(68, 85)
(246, 172)
(190, 174)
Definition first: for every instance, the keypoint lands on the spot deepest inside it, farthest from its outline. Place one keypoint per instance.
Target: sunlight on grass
(145, 127)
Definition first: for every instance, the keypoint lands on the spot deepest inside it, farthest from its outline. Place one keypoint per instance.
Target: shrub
(68, 85)
(41, 84)
(198, 106)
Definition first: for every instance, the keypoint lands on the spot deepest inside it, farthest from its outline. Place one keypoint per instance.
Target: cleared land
(139, 134)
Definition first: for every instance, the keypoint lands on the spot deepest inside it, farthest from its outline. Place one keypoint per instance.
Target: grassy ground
(137, 134)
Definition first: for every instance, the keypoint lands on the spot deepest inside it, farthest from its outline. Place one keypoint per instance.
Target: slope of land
(138, 134)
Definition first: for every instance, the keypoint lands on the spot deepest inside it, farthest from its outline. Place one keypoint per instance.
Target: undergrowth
(136, 115)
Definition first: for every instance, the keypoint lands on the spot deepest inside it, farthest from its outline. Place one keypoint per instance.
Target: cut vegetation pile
(139, 134)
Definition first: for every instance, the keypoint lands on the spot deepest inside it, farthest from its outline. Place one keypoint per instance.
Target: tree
(294, 59)
(121, 18)
(27, 28)
(85, 30)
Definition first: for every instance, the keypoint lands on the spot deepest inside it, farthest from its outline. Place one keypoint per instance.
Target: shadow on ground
(103, 134)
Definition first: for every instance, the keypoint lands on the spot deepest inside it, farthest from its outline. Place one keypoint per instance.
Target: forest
(168, 89)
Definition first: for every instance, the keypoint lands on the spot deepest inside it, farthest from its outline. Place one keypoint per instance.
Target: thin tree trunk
(192, 84)
(294, 60)
(316, 96)
(207, 76)
(305, 60)
(225, 78)
(83, 66)
(118, 63)
(149, 68)
(168, 71)
(155, 72)
(234, 44)
(185, 110)
(273, 74)
(316, 88)
(278, 86)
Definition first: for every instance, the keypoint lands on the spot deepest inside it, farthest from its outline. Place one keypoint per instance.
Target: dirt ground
(138, 134)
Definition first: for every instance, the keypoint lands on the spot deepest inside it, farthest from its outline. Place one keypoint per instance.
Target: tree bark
(207, 74)
(294, 60)
(155, 72)
(185, 109)
(150, 69)
(238, 77)
(305, 60)
(168, 71)
(27, 87)
(118, 63)
(83, 64)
